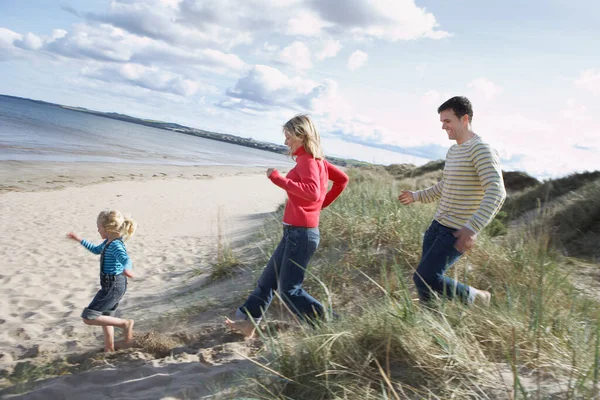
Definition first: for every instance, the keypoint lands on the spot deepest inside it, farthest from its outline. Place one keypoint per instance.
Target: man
(471, 192)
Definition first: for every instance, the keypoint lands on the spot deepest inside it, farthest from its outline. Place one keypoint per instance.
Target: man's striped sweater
(472, 190)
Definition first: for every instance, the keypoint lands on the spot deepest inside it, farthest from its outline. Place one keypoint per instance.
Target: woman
(306, 186)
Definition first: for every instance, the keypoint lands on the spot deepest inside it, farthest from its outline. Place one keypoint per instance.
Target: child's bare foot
(245, 327)
(483, 297)
(128, 331)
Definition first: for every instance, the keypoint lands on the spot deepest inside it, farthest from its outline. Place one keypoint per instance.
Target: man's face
(453, 125)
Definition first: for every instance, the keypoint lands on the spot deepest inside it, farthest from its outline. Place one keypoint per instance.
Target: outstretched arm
(424, 196)
(96, 249)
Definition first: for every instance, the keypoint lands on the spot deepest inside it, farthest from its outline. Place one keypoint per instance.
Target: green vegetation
(538, 338)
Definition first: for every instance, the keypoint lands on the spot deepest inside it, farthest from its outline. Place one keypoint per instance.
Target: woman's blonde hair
(302, 127)
(114, 221)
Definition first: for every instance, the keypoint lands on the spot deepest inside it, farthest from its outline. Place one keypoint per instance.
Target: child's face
(102, 231)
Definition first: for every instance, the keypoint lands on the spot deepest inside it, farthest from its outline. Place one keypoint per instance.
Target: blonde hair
(114, 221)
(302, 127)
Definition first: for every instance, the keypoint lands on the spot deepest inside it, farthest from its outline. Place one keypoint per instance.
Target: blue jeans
(106, 301)
(438, 255)
(285, 271)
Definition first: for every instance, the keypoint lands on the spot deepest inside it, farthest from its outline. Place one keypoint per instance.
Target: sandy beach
(46, 279)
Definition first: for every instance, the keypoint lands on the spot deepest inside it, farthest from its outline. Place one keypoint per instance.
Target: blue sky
(371, 72)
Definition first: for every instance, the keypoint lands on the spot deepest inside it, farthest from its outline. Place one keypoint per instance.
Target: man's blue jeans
(438, 255)
(285, 271)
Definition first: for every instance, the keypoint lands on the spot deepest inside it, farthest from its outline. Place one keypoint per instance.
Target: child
(115, 268)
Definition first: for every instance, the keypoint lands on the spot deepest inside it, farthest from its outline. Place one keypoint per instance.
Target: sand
(46, 279)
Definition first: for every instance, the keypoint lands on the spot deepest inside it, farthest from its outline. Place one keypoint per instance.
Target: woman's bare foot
(109, 349)
(245, 327)
(128, 331)
(483, 297)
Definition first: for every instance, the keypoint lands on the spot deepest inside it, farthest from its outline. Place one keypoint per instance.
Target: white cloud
(267, 86)
(432, 98)
(305, 24)
(573, 111)
(296, 55)
(30, 42)
(330, 49)
(8, 50)
(486, 88)
(151, 78)
(589, 80)
(391, 20)
(357, 60)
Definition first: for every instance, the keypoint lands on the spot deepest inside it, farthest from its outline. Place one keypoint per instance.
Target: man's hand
(74, 236)
(270, 171)
(406, 197)
(465, 239)
(128, 273)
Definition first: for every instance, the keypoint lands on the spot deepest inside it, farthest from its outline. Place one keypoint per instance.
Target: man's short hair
(460, 105)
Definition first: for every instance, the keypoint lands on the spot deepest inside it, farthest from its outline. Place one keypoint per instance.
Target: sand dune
(46, 279)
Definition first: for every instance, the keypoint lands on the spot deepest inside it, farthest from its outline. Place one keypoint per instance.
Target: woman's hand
(270, 171)
(74, 236)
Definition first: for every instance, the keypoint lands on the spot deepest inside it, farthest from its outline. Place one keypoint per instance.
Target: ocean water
(31, 131)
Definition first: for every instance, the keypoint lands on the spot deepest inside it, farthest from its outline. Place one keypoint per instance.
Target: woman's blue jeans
(285, 272)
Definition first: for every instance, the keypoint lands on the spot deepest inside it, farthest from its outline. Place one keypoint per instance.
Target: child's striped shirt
(116, 259)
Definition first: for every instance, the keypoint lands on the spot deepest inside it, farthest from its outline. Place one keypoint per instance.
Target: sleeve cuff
(469, 226)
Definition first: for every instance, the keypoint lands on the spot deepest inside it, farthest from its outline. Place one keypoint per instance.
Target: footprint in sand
(21, 334)
(35, 304)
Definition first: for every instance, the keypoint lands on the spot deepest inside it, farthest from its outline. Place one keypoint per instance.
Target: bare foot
(128, 332)
(483, 297)
(245, 327)
(109, 349)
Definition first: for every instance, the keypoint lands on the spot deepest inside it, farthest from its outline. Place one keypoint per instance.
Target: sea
(31, 131)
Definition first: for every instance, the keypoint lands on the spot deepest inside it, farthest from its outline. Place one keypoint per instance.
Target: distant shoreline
(173, 127)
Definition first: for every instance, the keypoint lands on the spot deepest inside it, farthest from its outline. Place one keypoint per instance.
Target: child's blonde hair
(302, 127)
(114, 221)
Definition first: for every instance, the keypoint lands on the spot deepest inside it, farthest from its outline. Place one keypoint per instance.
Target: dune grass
(538, 338)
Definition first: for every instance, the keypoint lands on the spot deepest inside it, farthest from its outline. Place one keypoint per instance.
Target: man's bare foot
(245, 327)
(483, 297)
(128, 331)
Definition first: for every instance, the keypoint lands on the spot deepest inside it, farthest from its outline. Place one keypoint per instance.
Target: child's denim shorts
(106, 301)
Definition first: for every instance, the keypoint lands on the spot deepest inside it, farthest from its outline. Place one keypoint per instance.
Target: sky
(370, 72)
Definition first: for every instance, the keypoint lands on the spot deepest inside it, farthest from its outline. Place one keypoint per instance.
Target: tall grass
(539, 337)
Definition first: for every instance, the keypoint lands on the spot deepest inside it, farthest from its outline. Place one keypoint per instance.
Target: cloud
(486, 88)
(296, 55)
(305, 24)
(182, 23)
(105, 43)
(357, 60)
(432, 98)
(573, 111)
(8, 50)
(330, 49)
(267, 86)
(589, 80)
(390, 20)
(151, 78)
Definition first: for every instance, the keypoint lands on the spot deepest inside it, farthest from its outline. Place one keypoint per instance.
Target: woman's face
(293, 142)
